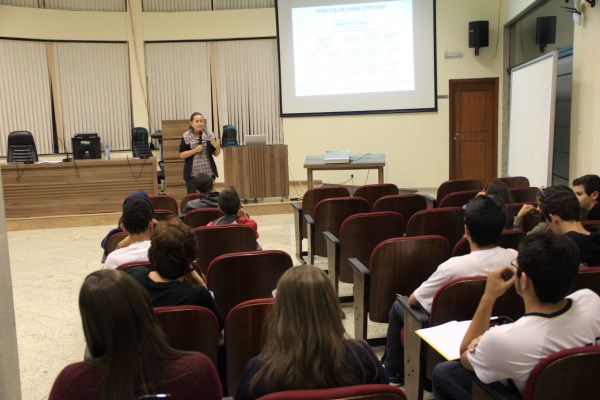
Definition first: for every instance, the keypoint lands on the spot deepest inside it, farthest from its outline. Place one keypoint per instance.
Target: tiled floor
(48, 267)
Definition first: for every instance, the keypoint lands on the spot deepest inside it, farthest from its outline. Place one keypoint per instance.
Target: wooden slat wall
(172, 131)
(81, 187)
(257, 171)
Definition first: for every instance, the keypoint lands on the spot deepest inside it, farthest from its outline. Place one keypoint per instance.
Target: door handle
(455, 136)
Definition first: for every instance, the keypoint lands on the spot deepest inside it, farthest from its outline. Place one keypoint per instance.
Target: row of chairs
(166, 202)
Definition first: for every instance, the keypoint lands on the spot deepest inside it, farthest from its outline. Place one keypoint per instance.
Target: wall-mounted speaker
(479, 35)
(545, 32)
(86, 146)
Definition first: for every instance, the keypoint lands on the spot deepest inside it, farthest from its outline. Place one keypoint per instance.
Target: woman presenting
(198, 146)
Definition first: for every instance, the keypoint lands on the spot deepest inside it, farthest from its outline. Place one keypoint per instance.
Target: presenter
(198, 146)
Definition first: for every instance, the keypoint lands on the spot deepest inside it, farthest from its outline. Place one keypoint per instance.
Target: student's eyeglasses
(515, 265)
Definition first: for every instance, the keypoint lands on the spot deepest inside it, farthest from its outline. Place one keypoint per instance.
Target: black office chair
(21, 147)
(140, 147)
(229, 136)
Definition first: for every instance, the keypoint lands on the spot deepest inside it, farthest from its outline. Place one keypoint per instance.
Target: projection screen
(355, 56)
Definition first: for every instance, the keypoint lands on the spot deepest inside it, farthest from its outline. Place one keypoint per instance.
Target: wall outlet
(351, 176)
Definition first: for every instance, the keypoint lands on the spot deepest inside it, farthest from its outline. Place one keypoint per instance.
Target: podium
(257, 171)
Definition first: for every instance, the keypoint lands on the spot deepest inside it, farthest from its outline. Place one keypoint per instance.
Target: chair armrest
(333, 258)
(309, 219)
(415, 312)
(492, 391)
(297, 206)
(358, 266)
(362, 287)
(431, 199)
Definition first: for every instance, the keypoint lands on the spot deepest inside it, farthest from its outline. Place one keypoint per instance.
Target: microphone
(67, 158)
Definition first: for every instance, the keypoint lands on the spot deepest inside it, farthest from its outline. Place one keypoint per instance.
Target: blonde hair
(306, 345)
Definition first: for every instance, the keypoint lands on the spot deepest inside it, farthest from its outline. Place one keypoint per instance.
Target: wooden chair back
(237, 277)
(399, 266)
(244, 337)
(515, 181)
(587, 278)
(361, 233)
(114, 240)
(329, 214)
(457, 199)
(201, 216)
(529, 221)
(186, 198)
(528, 194)
(591, 225)
(372, 193)
(190, 328)
(580, 366)
(162, 215)
(458, 300)
(511, 238)
(447, 222)
(374, 392)
(164, 202)
(404, 204)
(313, 196)
(214, 241)
(457, 185)
(132, 264)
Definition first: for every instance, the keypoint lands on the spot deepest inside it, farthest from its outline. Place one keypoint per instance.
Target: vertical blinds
(93, 80)
(25, 93)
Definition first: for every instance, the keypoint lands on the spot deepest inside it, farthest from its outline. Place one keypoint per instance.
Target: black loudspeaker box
(545, 32)
(86, 146)
(479, 34)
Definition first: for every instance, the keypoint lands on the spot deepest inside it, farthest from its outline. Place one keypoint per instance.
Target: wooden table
(357, 161)
(76, 187)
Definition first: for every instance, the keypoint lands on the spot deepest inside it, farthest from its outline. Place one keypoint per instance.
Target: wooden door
(473, 128)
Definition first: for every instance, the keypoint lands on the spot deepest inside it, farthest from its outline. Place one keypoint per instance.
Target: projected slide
(353, 48)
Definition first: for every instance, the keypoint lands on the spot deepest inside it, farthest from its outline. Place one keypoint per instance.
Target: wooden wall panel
(81, 187)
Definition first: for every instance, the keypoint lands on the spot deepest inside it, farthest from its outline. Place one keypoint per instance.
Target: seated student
(140, 194)
(172, 250)
(306, 345)
(484, 221)
(498, 188)
(138, 221)
(540, 226)
(203, 184)
(559, 206)
(229, 203)
(543, 275)
(130, 355)
(587, 190)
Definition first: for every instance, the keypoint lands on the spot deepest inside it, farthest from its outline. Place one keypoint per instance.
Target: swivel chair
(21, 147)
(140, 147)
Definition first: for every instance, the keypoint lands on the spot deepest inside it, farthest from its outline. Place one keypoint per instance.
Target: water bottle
(106, 152)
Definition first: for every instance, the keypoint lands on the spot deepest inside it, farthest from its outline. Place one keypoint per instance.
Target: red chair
(447, 222)
(509, 239)
(587, 278)
(591, 225)
(132, 264)
(214, 241)
(372, 193)
(359, 235)
(529, 221)
(114, 240)
(165, 202)
(187, 198)
(457, 199)
(515, 181)
(163, 214)
(375, 392)
(456, 300)
(244, 337)
(237, 277)
(309, 201)
(201, 216)
(328, 216)
(404, 204)
(397, 265)
(457, 185)
(190, 328)
(567, 374)
(525, 194)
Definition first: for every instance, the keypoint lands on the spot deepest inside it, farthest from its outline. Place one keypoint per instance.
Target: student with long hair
(130, 354)
(306, 345)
